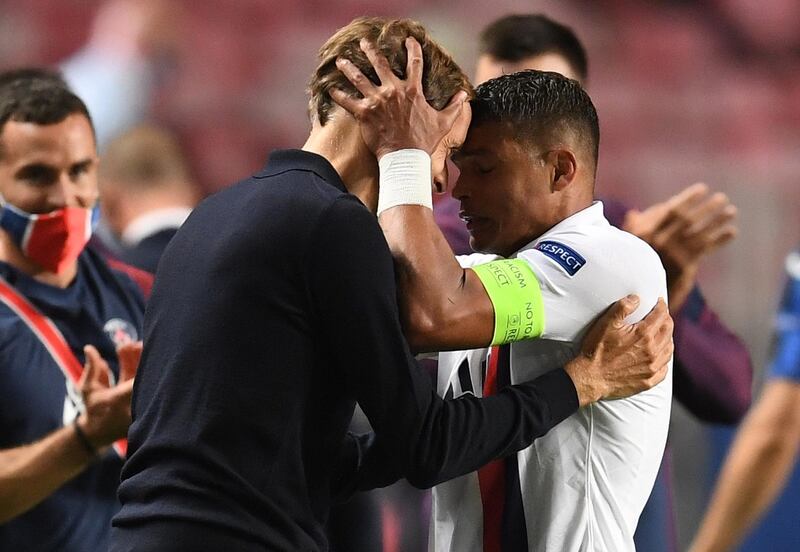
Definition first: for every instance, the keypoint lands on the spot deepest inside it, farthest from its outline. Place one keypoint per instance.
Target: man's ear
(565, 168)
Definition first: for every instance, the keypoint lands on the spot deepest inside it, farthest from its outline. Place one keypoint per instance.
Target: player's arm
(30, 473)
(442, 305)
(757, 466)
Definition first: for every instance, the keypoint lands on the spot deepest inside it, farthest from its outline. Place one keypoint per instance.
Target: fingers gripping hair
(442, 78)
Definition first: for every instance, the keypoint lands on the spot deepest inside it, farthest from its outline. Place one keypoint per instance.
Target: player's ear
(564, 168)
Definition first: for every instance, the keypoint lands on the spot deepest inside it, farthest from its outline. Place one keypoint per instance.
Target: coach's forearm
(442, 306)
(31, 473)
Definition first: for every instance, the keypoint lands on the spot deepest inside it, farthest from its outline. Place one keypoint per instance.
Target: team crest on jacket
(120, 331)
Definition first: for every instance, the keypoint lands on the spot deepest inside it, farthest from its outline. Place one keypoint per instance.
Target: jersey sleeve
(581, 275)
(786, 361)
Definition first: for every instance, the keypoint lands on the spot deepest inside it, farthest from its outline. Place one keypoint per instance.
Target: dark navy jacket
(273, 312)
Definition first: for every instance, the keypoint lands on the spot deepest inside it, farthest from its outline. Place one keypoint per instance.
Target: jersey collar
(295, 159)
(591, 215)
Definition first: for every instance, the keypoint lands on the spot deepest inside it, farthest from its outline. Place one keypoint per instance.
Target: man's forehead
(490, 67)
(484, 138)
(470, 150)
(24, 139)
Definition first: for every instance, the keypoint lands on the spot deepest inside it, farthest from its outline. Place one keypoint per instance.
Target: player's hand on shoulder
(394, 114)
(617, 359)
(107, 408)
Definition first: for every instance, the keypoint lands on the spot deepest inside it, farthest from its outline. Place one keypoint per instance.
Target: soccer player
(58, 469)
(275, 311)
(713, 372)
(767, 445)
(552, 263)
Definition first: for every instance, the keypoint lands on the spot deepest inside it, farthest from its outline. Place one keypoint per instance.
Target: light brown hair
(144, 157)
(442, 78)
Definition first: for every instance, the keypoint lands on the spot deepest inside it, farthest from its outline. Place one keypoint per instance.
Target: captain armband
(517, 299)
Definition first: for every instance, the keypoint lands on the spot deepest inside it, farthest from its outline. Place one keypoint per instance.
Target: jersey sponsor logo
(120, 332)
(565, 256)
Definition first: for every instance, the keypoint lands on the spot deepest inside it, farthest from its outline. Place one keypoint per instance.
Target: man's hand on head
(395, 114)
(683, 229)
(618, 360)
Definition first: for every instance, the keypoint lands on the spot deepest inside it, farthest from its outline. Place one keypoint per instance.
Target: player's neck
(571, 204)
(559, 209)
(340, 142)
(11, 254)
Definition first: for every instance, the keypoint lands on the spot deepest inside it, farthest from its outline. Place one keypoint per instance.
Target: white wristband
(405, 179)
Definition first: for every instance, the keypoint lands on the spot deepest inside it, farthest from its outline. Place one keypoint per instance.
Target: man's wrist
(578, 370)
(83, 439)
(405, 179)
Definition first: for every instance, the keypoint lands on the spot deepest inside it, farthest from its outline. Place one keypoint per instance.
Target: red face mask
(52, 240)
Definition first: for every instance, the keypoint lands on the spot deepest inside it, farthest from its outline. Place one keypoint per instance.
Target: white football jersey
(585, 483)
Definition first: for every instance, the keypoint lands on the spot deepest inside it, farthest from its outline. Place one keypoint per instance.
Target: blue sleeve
(786, 362)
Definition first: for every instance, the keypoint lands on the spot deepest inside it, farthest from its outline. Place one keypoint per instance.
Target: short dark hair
(442, 78)
(37, 96)
(536, 104)
(32, 73)
(516, 37)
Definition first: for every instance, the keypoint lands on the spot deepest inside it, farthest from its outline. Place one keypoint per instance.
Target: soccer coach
(274, 312)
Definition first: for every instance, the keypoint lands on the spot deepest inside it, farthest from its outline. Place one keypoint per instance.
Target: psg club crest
(120, 332)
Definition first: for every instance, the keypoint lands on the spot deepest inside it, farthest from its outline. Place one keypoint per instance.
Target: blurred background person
(61, 307)
(129, 50)
(147, 192)
(766, 446)
(120, 68)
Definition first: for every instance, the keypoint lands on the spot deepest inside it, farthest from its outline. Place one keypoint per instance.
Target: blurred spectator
(146, 192)
(766, 447)
(60, 306)
(115, 71)
(712, 371)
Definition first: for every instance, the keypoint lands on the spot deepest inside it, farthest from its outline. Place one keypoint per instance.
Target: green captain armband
(517, 299)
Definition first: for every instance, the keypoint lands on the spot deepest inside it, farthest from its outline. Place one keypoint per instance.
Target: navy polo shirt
(102, 308)
(273, 312)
